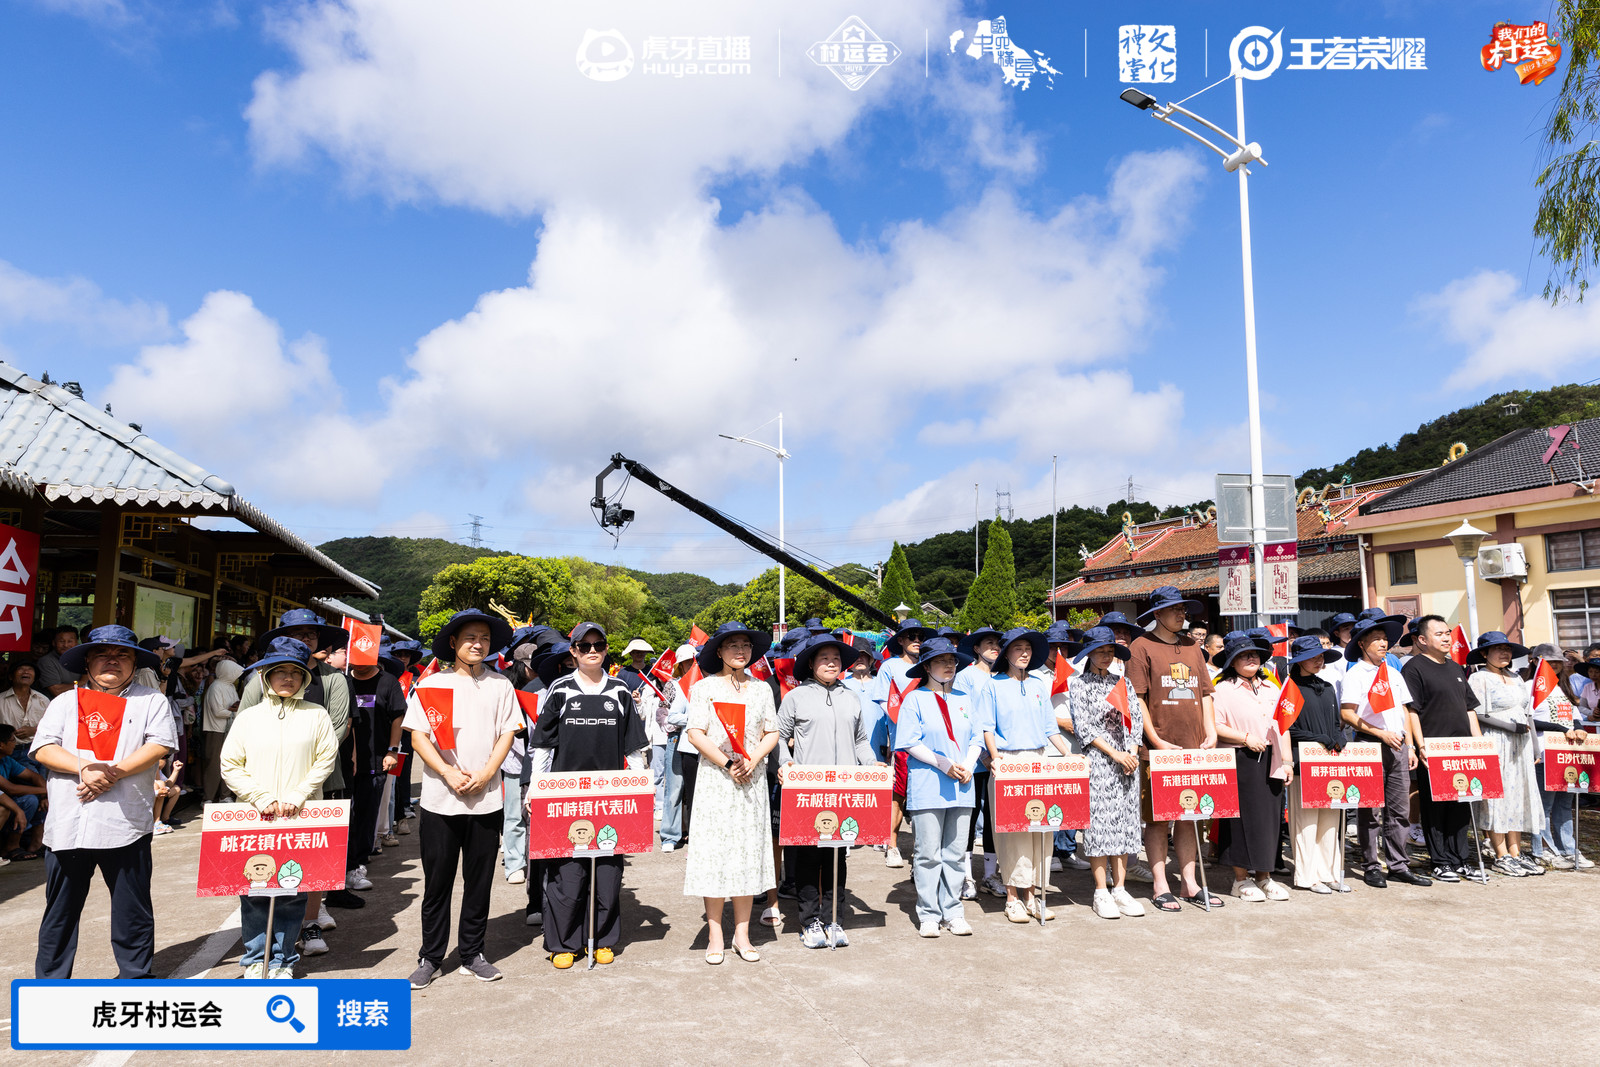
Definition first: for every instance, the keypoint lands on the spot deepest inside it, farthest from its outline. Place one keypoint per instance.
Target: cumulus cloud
(78, 305)
(1510, 335)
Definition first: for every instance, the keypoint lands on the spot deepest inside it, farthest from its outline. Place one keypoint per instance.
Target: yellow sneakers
(563, 960)
(602, 955)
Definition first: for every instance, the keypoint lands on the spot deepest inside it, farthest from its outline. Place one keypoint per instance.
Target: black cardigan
(1319, 717)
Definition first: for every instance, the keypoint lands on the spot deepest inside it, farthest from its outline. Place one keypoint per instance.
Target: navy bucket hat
(932, 649)
(1344, 618)
(807, 651)
(550, 664)
(710, 658)
(75, 660)
(499, 632)
(907, 628)
(1062, 634)
(968, 645)
(1237, 646)
(284, 651)
(1304, 649)
(1167, 596)
(1101, 637)
(1490, 640)
(1036, 641)
(298, 618)
(1117, 618)
(1390, 626)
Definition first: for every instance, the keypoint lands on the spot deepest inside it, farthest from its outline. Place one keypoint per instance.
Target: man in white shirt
(102, 813)
(1367, 656)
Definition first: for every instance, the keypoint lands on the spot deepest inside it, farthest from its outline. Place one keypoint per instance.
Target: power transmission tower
(475, 538)
(1129, 497)
(1002, 503)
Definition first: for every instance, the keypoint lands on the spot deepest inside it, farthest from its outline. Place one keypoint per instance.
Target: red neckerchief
(944, 710)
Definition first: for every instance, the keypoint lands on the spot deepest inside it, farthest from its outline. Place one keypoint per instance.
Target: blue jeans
(938, 865)
(672, 801)
(286, 919)
(515, 829)
(659, 755)
(1557, 818)
(1066, 842)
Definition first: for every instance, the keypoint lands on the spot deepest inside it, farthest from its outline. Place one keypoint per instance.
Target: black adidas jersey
(588, 731)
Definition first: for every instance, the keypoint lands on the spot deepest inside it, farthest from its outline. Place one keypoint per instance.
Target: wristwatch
(395, 749)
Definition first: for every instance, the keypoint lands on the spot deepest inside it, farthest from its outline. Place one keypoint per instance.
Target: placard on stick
(1349, 778)
(243, 853)
(1464, 768)
(1191, 784)
(1036, 794)
(581, 814)
(833, 806)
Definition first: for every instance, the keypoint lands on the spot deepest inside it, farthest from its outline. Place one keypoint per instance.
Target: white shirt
(482, 710)
(25, 720)
(125, 812)
(1358, 678)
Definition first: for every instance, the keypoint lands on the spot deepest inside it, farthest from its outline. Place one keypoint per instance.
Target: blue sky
(386, 265)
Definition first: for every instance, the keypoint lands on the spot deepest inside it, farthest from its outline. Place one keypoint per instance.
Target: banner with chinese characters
(1526, 49)
(19, 578)
(1464, 768)
(1280, 581)
(832, 806)
(244, 853)
(590, 813)
(1571, 768)
(1349, 778)
(1233, 579)
(1192, 784)
(1037, 794)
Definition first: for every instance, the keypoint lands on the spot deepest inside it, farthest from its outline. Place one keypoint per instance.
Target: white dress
(1521, 809)
(730, 850)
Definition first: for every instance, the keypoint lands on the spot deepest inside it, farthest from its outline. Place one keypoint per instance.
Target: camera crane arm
(614, 515)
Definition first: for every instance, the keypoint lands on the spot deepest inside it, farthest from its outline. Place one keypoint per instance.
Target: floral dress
(730, 851)
(1521, 809)
(1114, 825)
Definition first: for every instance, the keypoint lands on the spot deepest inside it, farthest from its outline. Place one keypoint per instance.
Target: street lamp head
(902, 612)
(1466, 538)
(1142, 101)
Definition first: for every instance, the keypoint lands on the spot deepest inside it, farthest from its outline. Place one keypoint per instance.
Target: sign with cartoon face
(243, 853)
(834, 805)
(1040, 794)
(1349, 778)
(1464, 768)
(1191, 784)
(1569, 767)
(590, 813)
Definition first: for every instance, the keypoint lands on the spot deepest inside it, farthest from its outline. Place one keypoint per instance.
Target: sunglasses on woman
(589, 646)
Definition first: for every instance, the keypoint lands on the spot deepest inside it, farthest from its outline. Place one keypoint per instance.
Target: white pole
(974, 527)
(783, 615)
(1258, 493)
(1472, 603)
(1053, 516)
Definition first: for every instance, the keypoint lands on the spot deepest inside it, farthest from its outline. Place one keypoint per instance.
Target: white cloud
(78, 304)
(1508, 335)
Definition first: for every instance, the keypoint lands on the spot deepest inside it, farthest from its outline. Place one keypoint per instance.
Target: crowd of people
(284, 720)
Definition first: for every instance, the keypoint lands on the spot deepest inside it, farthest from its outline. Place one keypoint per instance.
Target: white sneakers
(1104, 906)
(357, 879)
(1126, 904)
(892, 858)
(517, 877)
(324, 919)
(960, 927)
(929, 928)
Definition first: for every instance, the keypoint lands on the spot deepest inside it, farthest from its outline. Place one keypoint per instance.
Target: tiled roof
(58, 445)
(1505, 465)
(1314, 567)
(335, 608)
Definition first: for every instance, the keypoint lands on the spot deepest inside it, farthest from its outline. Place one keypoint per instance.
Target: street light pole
(783, 614)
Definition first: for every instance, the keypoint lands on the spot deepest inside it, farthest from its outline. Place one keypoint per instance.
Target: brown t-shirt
(1171, 679)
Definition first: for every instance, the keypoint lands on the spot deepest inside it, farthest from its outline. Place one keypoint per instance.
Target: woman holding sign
(1555, 708)
(1109, 724)
(275, 759)
(1314, 832)
(1245, 701)
(733, 725)
(1016, 718)
(1505, 714)
(942, 745)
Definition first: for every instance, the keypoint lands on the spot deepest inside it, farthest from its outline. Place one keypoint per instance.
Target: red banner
(100, 722)
(1349, 778)
(1038, 795)
(1459, 649)
(831, 806)
(438, 705)
(590, 813)
(731, 716)
(1192, 784)
(1464, 768)
(243, 853)
(364, 638)
(19, 584)
(1570, 768)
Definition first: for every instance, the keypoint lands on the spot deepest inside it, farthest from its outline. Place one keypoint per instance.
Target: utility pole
(975, 523)
(1129, 496)
(475, 538)
(1054, 514)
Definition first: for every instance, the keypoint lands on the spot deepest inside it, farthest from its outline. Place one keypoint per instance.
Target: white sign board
(1233, 507)
(1233, 579)
(1280, 584)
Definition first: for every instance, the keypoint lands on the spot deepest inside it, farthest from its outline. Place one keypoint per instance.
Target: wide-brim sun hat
(906, 629)
(1101, 637)
(1494, 639)
(1304, 649)
(548, 665)
(968, 645)
(499, 632)
(284, 651)
(639, 644)
(808, 651)
(75, 660)
(710, 657)
(1167, 596)
(1036, 641)
(931, 650)
(1117, 618)
(298, 619)
(1060, 633)
(1231, 650)
(1389, 625)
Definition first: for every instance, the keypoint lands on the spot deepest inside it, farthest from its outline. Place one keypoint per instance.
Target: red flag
(438, 706)
(400, 764)
(100, 722)
(1280, 629)
(1381, 695)
(364, 638)
(698, 636)
(731, 716)
(1290, 701)
(760, 669)
(1459, 649)
(1064, 671)
(406, 681)
(1545, 682)
(663, 668)
(530, 705)
(690, 676)
(1118, 698)
(786, 680)
(431, 669)
(896, 696)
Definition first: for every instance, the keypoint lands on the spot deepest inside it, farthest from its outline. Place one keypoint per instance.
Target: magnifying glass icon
(280, 1009)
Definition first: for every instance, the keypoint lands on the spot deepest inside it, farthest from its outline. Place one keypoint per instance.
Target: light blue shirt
(1017, 713)
(972, 679)
(921, 723)
(880, 729)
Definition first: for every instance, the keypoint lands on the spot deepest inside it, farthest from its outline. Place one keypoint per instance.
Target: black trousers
(67, 877)
(687, 764)
(1447, 824)
(366, 791)
(471, 842)
(536, 872)
(980, 780)
(813, 881)
(566, 904)
(402, 785)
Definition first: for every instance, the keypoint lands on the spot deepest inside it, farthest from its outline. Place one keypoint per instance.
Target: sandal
(1216, 901)
(21, 854)
(1166, 902)
(772, 917)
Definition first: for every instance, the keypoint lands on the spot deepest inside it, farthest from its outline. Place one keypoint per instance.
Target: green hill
(682, 594)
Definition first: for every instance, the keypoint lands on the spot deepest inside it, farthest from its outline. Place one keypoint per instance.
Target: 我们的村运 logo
(1527, 49)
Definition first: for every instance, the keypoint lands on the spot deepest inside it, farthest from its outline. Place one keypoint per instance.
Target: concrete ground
(1407, 975)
